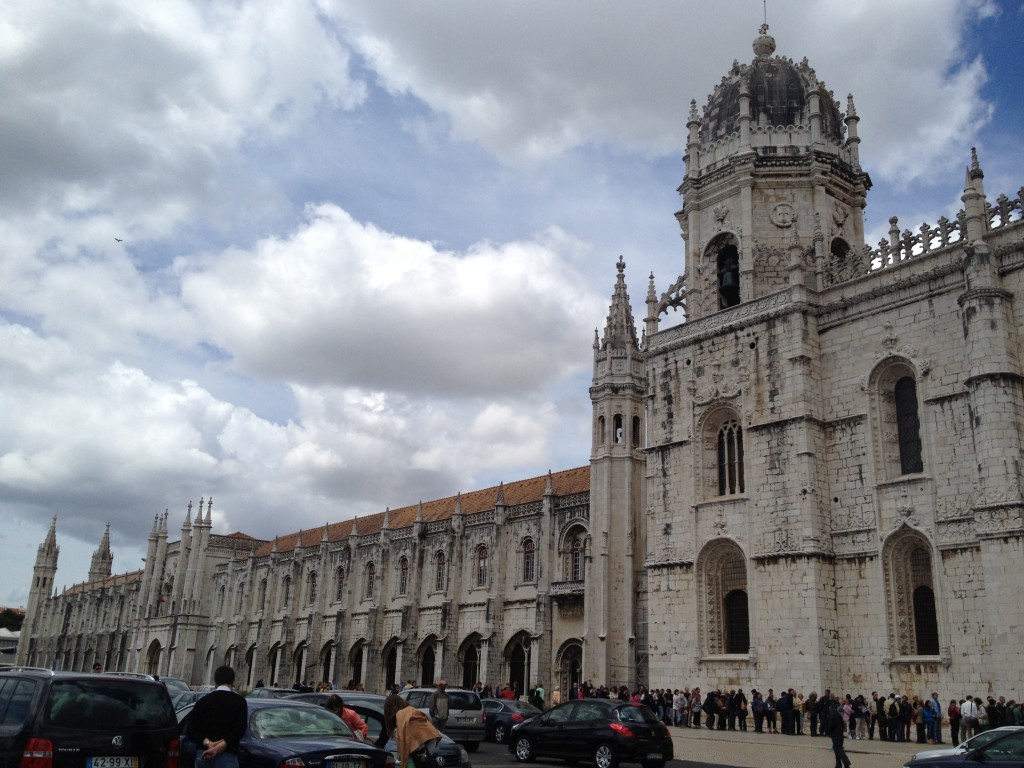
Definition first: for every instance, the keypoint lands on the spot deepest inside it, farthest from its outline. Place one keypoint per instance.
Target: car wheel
(604, 757)
(652, 763)
(472, 746)
(500, 733)
(524, 750)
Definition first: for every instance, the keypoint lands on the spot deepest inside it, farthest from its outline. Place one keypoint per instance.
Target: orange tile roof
(564, 483)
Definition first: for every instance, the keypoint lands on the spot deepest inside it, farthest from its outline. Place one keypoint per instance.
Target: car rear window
(104, 703)
(15, 697)
(462, 700)
(630, 714)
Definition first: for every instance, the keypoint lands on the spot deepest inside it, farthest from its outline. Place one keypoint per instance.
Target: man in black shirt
(218, 722)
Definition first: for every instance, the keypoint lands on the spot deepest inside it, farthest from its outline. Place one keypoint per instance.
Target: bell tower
(43, 573)
(772, 167)
(617, 489)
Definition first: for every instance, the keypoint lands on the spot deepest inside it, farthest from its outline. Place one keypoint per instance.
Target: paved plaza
(767, 750)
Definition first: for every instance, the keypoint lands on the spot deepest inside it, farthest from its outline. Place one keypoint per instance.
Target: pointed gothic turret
(101, 566)
(617, 486)
(43, 573)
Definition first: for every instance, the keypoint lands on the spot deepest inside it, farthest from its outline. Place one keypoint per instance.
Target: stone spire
(619, 329)
(102, 563)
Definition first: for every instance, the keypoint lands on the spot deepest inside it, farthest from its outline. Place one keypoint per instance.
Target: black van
(78, 720)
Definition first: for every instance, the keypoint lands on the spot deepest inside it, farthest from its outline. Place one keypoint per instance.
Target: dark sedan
(607, 732)
(1007, 751)
(502, 714)
(291, 733)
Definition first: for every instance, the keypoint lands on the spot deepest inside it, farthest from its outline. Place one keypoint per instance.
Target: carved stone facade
(878, 398)
(814, 480)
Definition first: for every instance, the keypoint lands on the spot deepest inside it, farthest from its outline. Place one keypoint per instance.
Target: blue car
(288, 733)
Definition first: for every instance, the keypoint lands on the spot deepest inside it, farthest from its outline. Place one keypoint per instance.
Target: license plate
(467, 720)
(653, 756)
(344, 764)
(117, 761)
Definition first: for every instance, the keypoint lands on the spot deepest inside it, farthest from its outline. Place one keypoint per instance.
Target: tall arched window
(529, 560)
(728, 266)
(261, 597)
(482, 566)
(730, 458)
(908, 425)
(403, 576)
(913, 618)
(311, 588)
(897, 423)
(576, 559)
(440, 572)
(725, 617)
(339, 585)
(240, 599)
(286, 591)
(371, 581)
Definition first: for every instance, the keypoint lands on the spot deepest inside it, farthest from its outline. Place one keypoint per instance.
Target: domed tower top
(771, 164)
(772, 102)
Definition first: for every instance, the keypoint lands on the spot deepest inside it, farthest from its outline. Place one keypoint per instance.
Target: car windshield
(983, 738)
(630, 714)
(281, 722)
(108, 703)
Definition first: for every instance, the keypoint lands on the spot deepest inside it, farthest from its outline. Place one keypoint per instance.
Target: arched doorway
(427, 661)
(517, 657)
(356, 664)
(390, 665)
(327, 662)
(569, 666)
(153, 658)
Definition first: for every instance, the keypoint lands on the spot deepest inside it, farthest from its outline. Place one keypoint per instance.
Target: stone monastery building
(814, 481)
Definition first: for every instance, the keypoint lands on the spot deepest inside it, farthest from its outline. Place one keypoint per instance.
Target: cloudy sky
(316, 258)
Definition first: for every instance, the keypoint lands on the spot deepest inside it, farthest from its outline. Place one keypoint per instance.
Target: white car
(978, 740)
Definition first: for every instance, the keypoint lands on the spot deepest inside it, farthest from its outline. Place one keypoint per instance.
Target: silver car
(465, 714)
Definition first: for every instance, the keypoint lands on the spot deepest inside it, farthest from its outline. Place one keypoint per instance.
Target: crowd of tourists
(892, 717)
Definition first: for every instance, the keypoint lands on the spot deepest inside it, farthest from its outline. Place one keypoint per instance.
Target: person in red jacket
(350, 717)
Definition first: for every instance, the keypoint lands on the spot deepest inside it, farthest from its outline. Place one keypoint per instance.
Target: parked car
(75, 719)
(465, 713)
(175, 685)
(264, 692)
(293, 733)
(605, 731)
(370, 707)
(502, 714)
(1006, 748)
(180, 700)
(975, 742)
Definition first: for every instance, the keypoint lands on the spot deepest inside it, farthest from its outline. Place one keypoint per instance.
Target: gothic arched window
(908, 425)
(482, 566)
(895, 403)
(576, 559)
(311, 588)
(403, 576)
(261, 597)
(529, 560)
(371, 581)
(440, 572)
(913, 617)
(730, 458)
(725, 616)
(240, 600)
(339, 585)
(286, 591)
